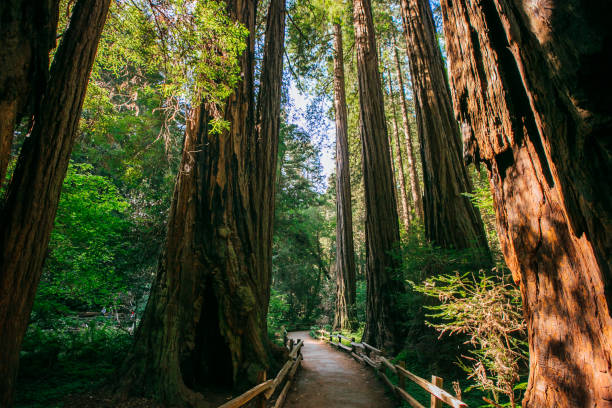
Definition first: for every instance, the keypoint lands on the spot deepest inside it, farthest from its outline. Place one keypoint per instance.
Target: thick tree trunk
(382, 227)
(205, 321)
(415, 186)
(31, 202)
(345, 317)
(27, 35)
(451, 221)
(406, 213)
(531, 91)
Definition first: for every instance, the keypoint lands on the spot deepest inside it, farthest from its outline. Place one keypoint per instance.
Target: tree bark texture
(415, 186)
(345, 314)
(451, 220)
(530, 87)
(27, 35)
(406, 213)
(205, 321)
(33, 194)
(381, 226)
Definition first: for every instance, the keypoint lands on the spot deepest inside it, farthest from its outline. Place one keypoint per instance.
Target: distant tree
(30, 204)
(382, 226)
(451, 220)
(345, 255)
(415, 185)
(531, 90)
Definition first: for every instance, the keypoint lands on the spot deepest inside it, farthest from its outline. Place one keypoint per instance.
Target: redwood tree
(531, 90)
(381, 225)
(415, 186)
(27, 35)
(28, 211)
(451, 220)
(345, 255)
(205, 321)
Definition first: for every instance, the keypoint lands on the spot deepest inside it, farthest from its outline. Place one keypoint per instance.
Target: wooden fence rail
(367, 354)
(265, 390)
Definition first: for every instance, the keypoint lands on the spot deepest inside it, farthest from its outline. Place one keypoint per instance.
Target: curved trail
(332, 379)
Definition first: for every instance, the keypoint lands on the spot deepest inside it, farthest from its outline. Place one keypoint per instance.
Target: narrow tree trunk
(205, 321)
(266, 149)
(415, 186)
(406, 213)
(345, 256)
(531, 90)
(451, 221)
(27, 35)
(382, 227)
(32, 198)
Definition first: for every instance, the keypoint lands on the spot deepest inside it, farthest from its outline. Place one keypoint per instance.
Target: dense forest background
(455, 309)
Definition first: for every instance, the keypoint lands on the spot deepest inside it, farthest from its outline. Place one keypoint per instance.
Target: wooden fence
(366, 354)
(265, 390)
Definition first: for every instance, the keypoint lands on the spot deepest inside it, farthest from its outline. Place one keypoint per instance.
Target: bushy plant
(486, 308)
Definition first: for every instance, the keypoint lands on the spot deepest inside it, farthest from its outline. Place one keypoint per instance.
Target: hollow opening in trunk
(210, 363)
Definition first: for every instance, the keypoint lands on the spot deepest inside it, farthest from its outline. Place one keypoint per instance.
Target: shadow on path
(331, 379)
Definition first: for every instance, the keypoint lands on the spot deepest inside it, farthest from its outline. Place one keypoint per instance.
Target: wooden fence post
(290, 344)
(400, 378)
(435, 402)
(285, 339)
(261, 399)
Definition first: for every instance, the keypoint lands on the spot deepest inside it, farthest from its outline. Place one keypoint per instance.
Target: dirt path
(332, 379)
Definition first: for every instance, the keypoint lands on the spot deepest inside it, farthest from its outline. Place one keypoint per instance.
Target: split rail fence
(264, 391)
(366, 354)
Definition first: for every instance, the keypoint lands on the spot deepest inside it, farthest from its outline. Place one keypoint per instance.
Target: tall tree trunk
(27, 35)
(266, 149)
(26, 218)
(406, 214)
(381, 226)
(205, 321)
(531, 90)
(415, 186)
(345, 316)
(451, 221)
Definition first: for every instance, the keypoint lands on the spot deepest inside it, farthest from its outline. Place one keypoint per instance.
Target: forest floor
(330, 379)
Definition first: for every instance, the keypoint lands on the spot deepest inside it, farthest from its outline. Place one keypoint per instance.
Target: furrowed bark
(205, 321)
(27, 35)
(415, 186)
(530, 88)
(33, 193)
(382, 227)
(344, 317)
(451, 220)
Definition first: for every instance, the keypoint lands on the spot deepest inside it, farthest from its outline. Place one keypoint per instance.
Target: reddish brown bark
(205, 322)
(415, 186)
(381, 224)
(530, 88)
(344, 317)
(451, 221)
(27, 35)
(31, 202)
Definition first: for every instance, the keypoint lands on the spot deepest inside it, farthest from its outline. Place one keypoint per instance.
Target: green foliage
(487, 308)
(302, 229)
(64, 360)
(88, 253)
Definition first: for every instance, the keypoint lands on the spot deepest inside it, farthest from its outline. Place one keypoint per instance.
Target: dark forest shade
(205, 321)
(528, 87)
(451, 220)
(381, 225)
(345, 314)
(26, 218)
